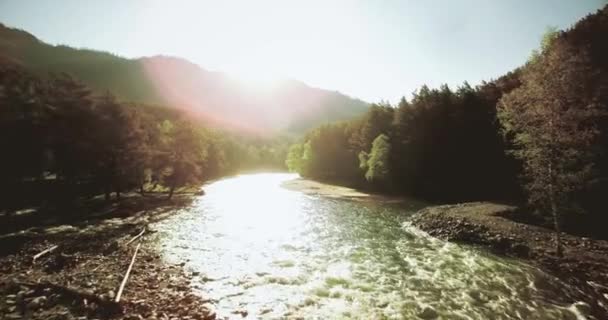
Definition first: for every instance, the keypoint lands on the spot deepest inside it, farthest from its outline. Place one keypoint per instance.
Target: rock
(583, 308)
(521, 250)
(111, 295)
(209, 311)
(428, 313)
(242, 312)
(36, 303)
(265, 310)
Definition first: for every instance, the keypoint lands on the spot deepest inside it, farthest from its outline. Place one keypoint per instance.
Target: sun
(257, 75)
(256, 79)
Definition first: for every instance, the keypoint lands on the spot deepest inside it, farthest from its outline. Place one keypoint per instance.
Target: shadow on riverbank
(89, 211)
(83, 262)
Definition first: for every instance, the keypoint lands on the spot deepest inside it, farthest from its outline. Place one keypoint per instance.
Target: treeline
(60, 141)
(539, 132)
(443, 145)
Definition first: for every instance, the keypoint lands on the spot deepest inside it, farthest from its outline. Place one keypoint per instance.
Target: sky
(373, 50)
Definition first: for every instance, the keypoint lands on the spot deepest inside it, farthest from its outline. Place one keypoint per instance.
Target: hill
(214, 96)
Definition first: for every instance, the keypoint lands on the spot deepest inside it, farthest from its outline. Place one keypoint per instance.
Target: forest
(536, 135)
(136, 184)
(217, 98)
(62, 142)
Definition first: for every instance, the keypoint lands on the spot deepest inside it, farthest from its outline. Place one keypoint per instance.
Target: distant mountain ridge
(216, 97)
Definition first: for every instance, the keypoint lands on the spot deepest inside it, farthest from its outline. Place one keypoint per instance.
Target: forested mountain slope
(216, 97)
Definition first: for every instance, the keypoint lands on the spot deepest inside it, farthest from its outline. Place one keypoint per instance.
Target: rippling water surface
(281, 254)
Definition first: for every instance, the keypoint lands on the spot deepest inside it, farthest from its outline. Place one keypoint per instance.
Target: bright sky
(367, 49)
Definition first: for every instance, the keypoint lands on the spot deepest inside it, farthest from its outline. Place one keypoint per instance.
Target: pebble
(428, 313)
(209, 311)
(583, 308)
(36, 303)
(242, 312)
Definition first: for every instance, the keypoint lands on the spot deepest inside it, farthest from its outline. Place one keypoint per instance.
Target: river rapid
(258, 250)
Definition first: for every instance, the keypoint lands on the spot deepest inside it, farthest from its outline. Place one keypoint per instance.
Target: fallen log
(43, 252)
(69, 295)
(126, 277)
(136, 237)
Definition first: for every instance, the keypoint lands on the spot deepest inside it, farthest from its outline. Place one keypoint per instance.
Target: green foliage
(426, 147)
(449, 145)
(378, 162)
(56, 133)
(552, 119)
(295, 161)
(550, 35)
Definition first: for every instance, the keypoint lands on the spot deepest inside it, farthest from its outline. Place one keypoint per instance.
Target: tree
(23, 114)
(122, 145)
(376, 121)
(185, 154)
(72, 142)
(294, 159)
(378, 160)
(550, 35)
(551, 119)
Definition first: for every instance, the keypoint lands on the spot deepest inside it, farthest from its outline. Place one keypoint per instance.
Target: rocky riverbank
(81, 277)
(584, 264)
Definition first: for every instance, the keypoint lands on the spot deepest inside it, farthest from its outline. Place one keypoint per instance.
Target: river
(257, 248)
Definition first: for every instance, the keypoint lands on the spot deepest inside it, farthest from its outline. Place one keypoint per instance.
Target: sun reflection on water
(282, 254)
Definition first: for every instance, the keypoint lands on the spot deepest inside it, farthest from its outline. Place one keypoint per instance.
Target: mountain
(214, 96)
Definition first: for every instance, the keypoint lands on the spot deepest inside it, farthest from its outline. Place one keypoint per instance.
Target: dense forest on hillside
(216, 98)
(538, 133)
(61, 142)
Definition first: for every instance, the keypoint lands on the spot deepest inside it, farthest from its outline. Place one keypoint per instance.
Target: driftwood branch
(137, 236)
(124, 280)
(51, 249)
(110, 307)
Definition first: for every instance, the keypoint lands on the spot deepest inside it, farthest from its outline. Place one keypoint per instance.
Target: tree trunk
(171, 192)
(106, 194)
(117, 194)
(558, 238)
(141, 188)
(556, 225)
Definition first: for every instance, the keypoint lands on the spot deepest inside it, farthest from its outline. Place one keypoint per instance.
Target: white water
(281, 254)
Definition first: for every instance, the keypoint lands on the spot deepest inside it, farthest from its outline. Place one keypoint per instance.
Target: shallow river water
(274, 253)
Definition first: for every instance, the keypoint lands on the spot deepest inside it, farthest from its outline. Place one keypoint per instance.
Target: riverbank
(315, 188)
(81, 277)
(584, 264)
